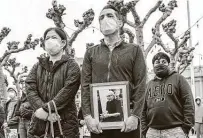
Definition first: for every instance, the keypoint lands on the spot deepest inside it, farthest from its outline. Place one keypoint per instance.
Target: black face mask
(161, 70)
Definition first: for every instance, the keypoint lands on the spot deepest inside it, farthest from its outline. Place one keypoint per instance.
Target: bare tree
(11, 66)
(12, 48)
(56, 14)
(4, 32)
(181, 55)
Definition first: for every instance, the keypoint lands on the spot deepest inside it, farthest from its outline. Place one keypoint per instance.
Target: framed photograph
(86, 132)
(11, 133)
(110, 103)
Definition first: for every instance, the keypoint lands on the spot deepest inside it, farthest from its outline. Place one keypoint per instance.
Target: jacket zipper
(47, 95)
(109, 64)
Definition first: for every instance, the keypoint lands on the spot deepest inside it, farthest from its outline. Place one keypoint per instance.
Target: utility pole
(190, 45)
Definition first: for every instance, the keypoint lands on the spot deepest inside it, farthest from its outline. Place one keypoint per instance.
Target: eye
(54, 37)
(47, 38)
(163, 61)
(110, 15)
(156, 62)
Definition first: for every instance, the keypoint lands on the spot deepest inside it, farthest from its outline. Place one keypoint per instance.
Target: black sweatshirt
(168, 103)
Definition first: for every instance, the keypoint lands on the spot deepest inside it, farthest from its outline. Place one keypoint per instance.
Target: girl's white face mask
(52, 46)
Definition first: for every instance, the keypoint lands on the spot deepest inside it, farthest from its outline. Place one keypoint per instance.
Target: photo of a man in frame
(113, 111)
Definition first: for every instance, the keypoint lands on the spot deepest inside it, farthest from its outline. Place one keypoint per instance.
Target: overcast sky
(28, 16)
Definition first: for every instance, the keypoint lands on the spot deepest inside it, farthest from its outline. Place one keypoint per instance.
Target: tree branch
(150, 12)
(185, 38)
(4, 32)
(130, 34)
(124, 9)
(170, 29)
(135, 16)
(88, 17)
(156, 31)
(182, 69)
(184, 57)
(5, 60)
(28, 44)
(56, 14)
(131, 24)
(24, 70)
(152, 43)
(11, 72)
(173, 39)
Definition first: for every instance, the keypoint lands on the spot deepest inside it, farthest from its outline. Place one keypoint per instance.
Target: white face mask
(53, 47)
(108, 26)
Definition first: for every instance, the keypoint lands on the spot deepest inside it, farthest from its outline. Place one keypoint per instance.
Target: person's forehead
(161, 59)
(107, 11)
(52, 33)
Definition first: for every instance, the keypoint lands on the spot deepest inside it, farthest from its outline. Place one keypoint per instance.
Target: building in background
(198, 74)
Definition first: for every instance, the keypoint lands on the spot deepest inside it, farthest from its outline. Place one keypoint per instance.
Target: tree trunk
(172, 62)
(139, 37)
(2, 84)
(17, 84)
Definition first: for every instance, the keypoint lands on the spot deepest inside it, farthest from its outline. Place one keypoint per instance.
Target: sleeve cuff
(45, 107)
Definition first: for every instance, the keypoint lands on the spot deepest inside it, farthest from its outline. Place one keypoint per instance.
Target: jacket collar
(117, 44)
(45, 62)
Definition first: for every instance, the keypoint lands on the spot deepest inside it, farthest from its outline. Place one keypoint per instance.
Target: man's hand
(41, 114)
(82, 122)
(103, 116)
(93, 125)
(25, 112)
(130, 124)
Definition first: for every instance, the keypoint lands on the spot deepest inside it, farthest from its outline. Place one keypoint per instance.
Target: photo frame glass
(110, 103)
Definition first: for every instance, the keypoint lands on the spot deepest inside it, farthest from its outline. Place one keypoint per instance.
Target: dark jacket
(124, 63)
(23, 108)
(80, 117)
(2, 116)
(169, 103)
(59, 82)
(6, 106)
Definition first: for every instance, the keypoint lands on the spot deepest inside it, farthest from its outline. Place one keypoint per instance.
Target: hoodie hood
(44, 62)
(171, 72)
(198, 97)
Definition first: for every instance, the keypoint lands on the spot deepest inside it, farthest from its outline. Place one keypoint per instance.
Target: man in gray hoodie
(199, 117)
(169, 106)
